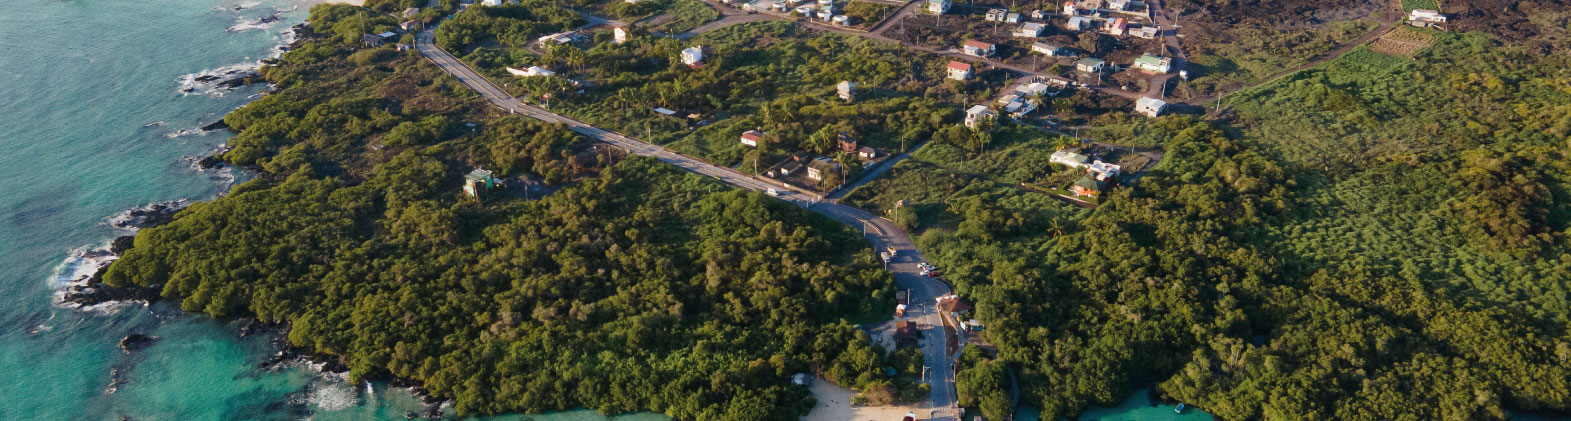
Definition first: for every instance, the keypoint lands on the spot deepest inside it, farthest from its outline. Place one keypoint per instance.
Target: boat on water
(1179, 409)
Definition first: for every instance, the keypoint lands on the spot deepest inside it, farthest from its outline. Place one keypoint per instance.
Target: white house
(619, 34)
(842, 20)
(410, 12)
(1425, 17)
(1154, 64)
(1118, 27)
(1102, 171)
(806, 11)
(959, 70)
(1069, 8)
(1071, 159)
(1147, 32)
(557, 38)
(979, 48)
(1046, 49)
(693, 56)
(995, 15)
(1090, 65)
(1030, 30)
(938, 7)
(1078, 23)
(1150, 107)
(846, 89)
(1038, 15)
(752, 137)
(409, 25)
(1031, 89)
(490, 2)
(1012, 18)
(977, 114)
(531, 71)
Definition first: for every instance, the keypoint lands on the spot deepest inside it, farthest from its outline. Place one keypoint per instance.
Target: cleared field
(1401, 42)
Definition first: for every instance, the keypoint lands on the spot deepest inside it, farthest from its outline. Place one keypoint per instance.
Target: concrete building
(1090, 65)
(693, 56)
(846, 90)
(1030, 30)
(938, 7)
(1150, 107)
(977, 114)
(1154, 64)
(979, 49)
(959, 70)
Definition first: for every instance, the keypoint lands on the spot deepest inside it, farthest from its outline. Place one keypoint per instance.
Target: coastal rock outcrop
(136, 341)
(149, 216)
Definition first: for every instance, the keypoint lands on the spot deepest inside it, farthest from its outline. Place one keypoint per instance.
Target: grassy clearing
(1250, 55)
(686, 15)
(1409, 5)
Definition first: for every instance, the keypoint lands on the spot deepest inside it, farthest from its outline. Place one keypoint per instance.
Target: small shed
(477, 183)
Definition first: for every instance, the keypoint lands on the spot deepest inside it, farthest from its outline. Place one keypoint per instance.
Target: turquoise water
(1136, 408)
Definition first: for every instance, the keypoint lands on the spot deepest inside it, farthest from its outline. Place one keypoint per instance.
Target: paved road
(881, 232)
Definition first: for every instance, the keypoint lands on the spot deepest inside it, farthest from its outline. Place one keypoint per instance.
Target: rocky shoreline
(286, 355)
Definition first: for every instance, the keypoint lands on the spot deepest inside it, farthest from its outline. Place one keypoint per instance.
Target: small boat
(1179, 409)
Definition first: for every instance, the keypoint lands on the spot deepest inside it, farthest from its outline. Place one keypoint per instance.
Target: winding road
(881, 232)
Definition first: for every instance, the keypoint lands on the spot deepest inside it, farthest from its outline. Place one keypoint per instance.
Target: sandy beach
(834, 404)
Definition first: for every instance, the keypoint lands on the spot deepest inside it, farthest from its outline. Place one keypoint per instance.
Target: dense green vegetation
(508, 25)
(1376, 238)
(635, 287)
(686, 15)
(1244, 55)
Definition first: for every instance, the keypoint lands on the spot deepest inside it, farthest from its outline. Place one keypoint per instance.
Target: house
(1046, 49)
(1090, 65)
(409, 25)
(846, 89)
(477, 183)
(995, 15)
(972, 325)
(1070, 159)
(821, 167)
(1031, 89)
(490, 2)
(1086, 187)
(827, 13)
(693, 56)
(752, 137)
(1069, 8)
(1118, 5)
(788, 168)
(531, 71)
(373, 40)
(842, 20)
(1102, 171)
(1425, 17)
(846, 143)
(1078, 23)
(977, 114)
(866, 154)
(410, 12)
(619, 34)
(1030, 30)
(1147, 32)
(806, 11)
(1118, 27)
(938, 7)
(1150, 107)
(400, 47)
(1154, 64)
(900, 310)
(557, 39)
(778, 7)
(1020, 107)
(1012, 18)
(906, 333)
(1038, 15)
(800, 379)
(959, 70)
(979, 48)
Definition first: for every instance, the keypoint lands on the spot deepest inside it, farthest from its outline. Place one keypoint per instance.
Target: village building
(1086, 187)
(1118, 27)
(1147, 32)
(1046, 49)
(1090, 65)
(373, 40)
(693, 56)
(1150, 107)
(1070, 159)
(1078, 23)
(995, 15)
(842, 20)
(979, 48)
(806, 11)
(1069, 8)
(846, 90)
(959, 70)
(1012, 18)
(1118, 5)
(1154, 64)
(531, 71)
(752, 137)
(977, 114)
(821, 167)
(410, 12)
(490, 2)
(557, 39)
(1102, 171)
(1030, 30)
(1031, 89)
(1425, 17)
(787, 169)
(619, 34)
(866, 154)
(846, 143)
(477, 183)
(409, 25)
(1038, 15)
(938, 7)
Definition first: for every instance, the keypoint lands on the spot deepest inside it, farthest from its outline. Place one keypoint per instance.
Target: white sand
(834, 404)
